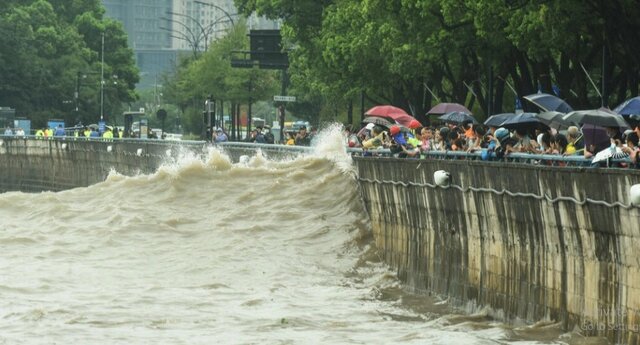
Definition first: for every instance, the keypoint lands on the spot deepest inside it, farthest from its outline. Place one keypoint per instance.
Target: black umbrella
(554, 119)
(596, 117)
(549, 102)
(457, 117)
(497, 119)
(524, 121)
(378, 121)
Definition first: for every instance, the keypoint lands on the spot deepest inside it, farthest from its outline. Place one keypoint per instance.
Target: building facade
(161, 30)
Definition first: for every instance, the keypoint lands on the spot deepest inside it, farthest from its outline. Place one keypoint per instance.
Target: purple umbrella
(444, 108)
(597, 136)
(457, 117)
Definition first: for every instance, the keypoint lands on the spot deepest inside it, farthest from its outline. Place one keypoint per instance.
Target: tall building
(196, 23)
(161, 30)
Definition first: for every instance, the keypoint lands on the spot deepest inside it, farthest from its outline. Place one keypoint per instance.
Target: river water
(205, 251)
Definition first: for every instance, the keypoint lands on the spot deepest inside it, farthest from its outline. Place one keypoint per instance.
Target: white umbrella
(609, 153)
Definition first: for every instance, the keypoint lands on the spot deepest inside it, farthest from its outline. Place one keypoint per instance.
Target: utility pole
(102, 82)
(76, 95)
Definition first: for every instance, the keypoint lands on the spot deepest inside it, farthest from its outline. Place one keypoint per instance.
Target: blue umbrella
(629, 107)
(457, 117)
(497, 119)
(549, 102)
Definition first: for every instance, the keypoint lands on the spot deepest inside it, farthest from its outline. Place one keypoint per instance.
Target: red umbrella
(390, 112)
(444, 108)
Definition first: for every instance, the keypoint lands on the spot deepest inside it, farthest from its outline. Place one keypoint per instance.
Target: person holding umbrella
(378, 138)
(400, 145)
(575, 145)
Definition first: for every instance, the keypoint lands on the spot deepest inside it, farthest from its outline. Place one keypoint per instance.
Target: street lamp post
(102, 82)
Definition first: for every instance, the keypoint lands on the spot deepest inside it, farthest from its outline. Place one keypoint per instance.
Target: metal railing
(523, 158)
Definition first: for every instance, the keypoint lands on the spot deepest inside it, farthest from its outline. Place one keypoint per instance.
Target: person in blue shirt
(220, 136)
(59, 131)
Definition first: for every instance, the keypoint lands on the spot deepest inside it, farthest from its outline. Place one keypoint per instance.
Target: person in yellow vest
(39, 134)
(49, 133)
(87, 132)
(108, 134)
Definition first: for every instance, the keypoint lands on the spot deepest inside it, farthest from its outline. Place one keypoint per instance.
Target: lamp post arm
(188, 17)
(211, 25)
(185, 26)
(217, 7)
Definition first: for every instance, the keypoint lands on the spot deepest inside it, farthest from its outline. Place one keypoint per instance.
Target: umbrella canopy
(554, 119)
(596, 136)
(384, 110)
(384, 122)
(497, 119)
(595, 117)
(403, 119)
(457, 117)
(444, 108)
(629, 107)
(615, 153)
(549, 102)
(392, 113)
(524, 121)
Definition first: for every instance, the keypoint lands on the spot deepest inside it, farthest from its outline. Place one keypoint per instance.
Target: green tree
(50, 43)
(212, 74)
(399, 51)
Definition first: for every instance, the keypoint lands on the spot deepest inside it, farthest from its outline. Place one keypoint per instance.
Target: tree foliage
(53, 47)
(416, 53)
(211, 74)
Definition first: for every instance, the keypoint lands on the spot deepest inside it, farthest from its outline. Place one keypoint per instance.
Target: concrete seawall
(533, 242)
(532, 252)
(31, 165)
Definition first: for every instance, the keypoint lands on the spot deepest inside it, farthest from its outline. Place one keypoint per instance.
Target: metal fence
(523, 158)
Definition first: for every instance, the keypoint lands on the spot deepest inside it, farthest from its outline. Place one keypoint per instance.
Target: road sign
(284, 98)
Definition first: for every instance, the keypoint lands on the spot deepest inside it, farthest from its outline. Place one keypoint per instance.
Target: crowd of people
(82, 131)
(416, 140)
(263, 135)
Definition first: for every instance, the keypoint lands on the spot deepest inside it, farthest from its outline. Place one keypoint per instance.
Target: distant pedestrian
(59, 131)
(268, 136)
(8, 131)
(302, 138)
(259, 136)
(220, 136)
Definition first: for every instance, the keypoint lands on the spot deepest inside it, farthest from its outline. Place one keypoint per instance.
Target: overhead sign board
(284, 98)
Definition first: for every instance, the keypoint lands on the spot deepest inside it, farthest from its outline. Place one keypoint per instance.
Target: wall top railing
(524, 158)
